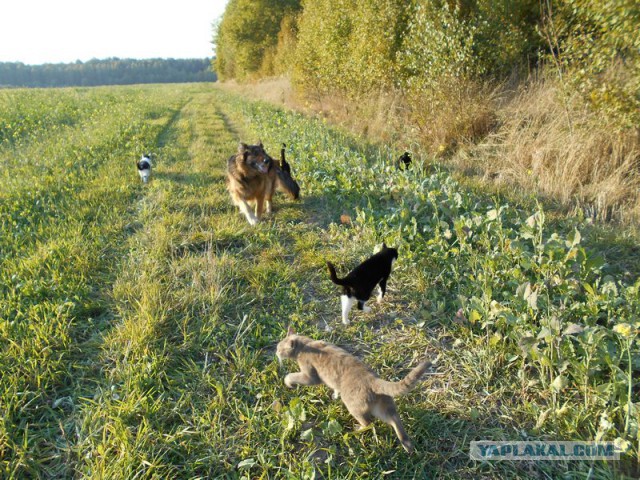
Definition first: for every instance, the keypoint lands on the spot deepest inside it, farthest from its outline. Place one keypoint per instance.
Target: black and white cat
(144, 167)
(359, 284)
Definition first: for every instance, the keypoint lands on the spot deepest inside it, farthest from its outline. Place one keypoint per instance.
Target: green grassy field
(138, 323)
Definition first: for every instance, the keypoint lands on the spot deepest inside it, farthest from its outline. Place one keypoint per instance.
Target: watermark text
(543, 450)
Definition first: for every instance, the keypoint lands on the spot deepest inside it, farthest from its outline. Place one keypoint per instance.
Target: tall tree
(248, 35)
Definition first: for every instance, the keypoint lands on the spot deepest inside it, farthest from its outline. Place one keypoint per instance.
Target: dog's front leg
(244, 208)
(259, 207)
(269, 196)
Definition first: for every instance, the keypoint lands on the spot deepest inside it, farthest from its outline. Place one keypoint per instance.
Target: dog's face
(255, 157)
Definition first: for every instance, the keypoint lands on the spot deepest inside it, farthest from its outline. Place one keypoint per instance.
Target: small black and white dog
(359, 284)
(144, 167)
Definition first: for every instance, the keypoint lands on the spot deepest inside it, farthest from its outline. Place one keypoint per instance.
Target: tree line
(423, 47)
(111, 71)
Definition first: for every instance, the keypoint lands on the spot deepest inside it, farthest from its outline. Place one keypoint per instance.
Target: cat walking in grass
(365, 395)
(358, 285)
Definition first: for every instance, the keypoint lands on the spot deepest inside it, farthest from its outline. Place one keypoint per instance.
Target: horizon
(66, 32)
(107, 59)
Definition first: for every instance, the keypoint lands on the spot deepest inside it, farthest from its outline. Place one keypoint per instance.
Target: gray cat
(364, 394)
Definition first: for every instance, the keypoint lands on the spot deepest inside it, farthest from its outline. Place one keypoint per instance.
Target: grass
(138, 324)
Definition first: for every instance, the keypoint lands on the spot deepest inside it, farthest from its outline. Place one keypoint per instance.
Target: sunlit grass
(138, 324)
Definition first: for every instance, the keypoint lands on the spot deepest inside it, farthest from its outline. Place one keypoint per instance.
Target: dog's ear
(290, 331)
(384, 246)
(259, 143)
(242, 147)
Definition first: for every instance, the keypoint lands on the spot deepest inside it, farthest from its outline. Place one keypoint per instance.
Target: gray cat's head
(289, 346)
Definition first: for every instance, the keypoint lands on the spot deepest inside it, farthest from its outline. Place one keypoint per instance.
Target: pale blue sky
(55, 31)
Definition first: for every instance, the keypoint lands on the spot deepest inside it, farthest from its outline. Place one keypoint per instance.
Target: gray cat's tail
(334, 276)
(395, 389)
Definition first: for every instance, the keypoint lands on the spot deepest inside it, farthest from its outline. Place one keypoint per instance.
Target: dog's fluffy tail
(394, 389)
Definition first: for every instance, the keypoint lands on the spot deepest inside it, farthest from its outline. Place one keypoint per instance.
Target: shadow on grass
(169, 133)
(196, 179)
(229, 124)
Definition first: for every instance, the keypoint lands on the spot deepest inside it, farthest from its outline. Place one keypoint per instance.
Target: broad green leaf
(247, 463)
(573, 329)
(575, 239)
(589, 289)
(544, 334)
(474, 316)
(532, 300)
(333, 427)
(560, 383)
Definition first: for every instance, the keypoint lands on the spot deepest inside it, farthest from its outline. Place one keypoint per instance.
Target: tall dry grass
(556, 146)
(458, 113)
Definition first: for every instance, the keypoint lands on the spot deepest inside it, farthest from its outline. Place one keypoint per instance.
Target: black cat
(359, 284)
(404, 161)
